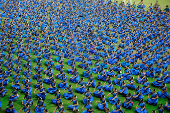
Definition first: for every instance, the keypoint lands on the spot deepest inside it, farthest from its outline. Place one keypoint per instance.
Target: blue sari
(151, 100)
(114, 98)
(74, 107)
(103, 105)
(55, 100)
(139, 110)
(117, 110)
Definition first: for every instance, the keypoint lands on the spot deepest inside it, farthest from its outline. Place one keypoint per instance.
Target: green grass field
(147, 3)
(51, 107)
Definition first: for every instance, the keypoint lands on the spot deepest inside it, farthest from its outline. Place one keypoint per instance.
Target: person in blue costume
(72, 70)
(139, 54)
(97, 56)
(17, 84)
(15, 95)
(10, 108)
(135, 69)
(89, 107)
(28, 100)
(167, 9)
(138, 96)
(142, 108)
(42, 93)
(158, 68)
(26, 109)
(111, 71)
(132, 58)
(59, 59)
(126, 63)
(105, 64)
(167, 105)
(103, 105)
(50, 62)
(119, 54)
(70, 62)
(64, 83)
(123, 89)
(112, 60)
(145, 90)
(128, 103)
(119, 79)
(127, 73)
(100, 91)
(52, 88)
(89, 61)
(118, 108)
(159, 82)
(114, 98)
(154, 98)
(60, 75)
(59, 67)
(27, 87)
(166, 77)
(75, 105)
(88, 96)
(48, 80)
(160, 108)
(82, 88)
(60, 108)
(83, 65)
(108, 87)
(3, 90)
(150, 72)
(68, 95)
(74, 78)
(142, 78)
(131, 85)
(143, 65)
(118, 67)
(56, 100)
(91, 82)
(40, 107)
(163, 93)
(103, 75)
(87, 73)
(97, 67)
(39, 82)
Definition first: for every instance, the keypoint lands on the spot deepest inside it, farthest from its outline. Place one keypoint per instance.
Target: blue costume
(128, 103)
(100, 91)
(74, 107)
(114, 98)
(109, 87)
(103, 76)
(53, 89)
(56, 100)
(89, 108)
(103, 104)
(88, 97)
(139, 110)
(163, 93)
(117, 110)
(153, 100)
(63, 84)
(123, 90)
(82, 88)
(69, 94)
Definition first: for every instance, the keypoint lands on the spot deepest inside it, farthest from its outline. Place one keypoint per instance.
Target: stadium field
(50, 107)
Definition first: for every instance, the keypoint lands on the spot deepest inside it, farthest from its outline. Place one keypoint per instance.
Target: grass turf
(147, 3)
(51, 107)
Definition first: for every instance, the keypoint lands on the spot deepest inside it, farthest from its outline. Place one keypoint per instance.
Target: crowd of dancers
(88, 32)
